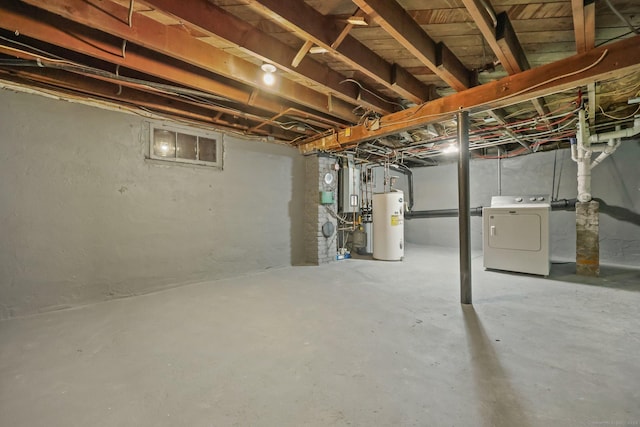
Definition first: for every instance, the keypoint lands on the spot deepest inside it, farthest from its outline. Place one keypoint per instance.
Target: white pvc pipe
(624, 133)
(584, 179)
(583, 155)
(608, 150)
(582, 150)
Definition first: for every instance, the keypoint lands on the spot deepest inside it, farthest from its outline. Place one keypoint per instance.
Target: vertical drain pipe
(464, 210)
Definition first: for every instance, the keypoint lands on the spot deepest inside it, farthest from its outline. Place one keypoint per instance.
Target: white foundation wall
(85, 217)
(616, 180)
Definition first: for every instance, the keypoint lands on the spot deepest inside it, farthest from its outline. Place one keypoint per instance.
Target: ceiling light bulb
(451, 149)
(268, 79)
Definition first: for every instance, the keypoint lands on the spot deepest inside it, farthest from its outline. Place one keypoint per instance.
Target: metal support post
(464, 217)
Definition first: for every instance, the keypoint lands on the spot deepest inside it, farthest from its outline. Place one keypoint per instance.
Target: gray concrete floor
(358, 342)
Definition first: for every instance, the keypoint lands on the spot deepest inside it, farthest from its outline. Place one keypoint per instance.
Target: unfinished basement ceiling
(341, 65)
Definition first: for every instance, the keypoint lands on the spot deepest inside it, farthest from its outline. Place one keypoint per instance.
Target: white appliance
(388, 226)
(516, 234)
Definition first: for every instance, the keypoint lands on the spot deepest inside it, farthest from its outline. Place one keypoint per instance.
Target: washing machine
(516, 234)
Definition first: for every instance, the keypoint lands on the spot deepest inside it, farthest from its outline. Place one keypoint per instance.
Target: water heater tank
(388, 226)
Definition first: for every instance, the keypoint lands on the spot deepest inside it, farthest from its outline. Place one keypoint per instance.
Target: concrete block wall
(85, 217)
(616, 180)
(318, 248)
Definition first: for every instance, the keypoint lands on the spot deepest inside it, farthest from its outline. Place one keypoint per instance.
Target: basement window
(177, 145)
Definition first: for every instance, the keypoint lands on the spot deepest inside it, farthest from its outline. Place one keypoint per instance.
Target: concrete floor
(358, 342)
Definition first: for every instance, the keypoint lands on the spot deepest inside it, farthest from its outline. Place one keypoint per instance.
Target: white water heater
(388, 226)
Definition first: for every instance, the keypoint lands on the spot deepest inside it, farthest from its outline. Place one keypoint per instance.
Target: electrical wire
(619, 118)
(573, 73)
(61, 63)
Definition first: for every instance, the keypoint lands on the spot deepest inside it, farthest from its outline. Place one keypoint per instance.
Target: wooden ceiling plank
(605, 62)
(308, 23)
(401, 26)
(173, 42)
(219, 23)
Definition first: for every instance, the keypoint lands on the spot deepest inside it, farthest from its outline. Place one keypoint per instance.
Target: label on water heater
(396, 220)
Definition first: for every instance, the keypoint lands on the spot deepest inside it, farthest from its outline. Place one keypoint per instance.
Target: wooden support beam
(77, 78)
(219, 23)
(501, 37)
(67, 35)
(68, 83)
(347, 28)
(584, 24)
(509, 44)
(613, 60)
(301, 53)
(173, 42)
(499, 34)
(402, 27)
(309, 24)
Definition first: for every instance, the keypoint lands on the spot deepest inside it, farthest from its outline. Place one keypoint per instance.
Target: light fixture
(268, 78)
(453, 148)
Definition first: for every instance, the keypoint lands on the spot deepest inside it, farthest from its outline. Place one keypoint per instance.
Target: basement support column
(320, 226)
(464, 214)
(587, 239)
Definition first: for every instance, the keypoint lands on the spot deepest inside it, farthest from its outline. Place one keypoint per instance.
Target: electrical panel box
(349, 186)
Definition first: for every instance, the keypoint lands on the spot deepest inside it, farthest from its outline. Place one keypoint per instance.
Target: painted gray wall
(616, 181)
(84, 217)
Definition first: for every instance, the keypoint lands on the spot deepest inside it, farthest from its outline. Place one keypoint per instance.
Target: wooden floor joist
(218, 23)
(584, 24)
(403, 28)
(614, 60)
(178, 44)
(309, 24)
